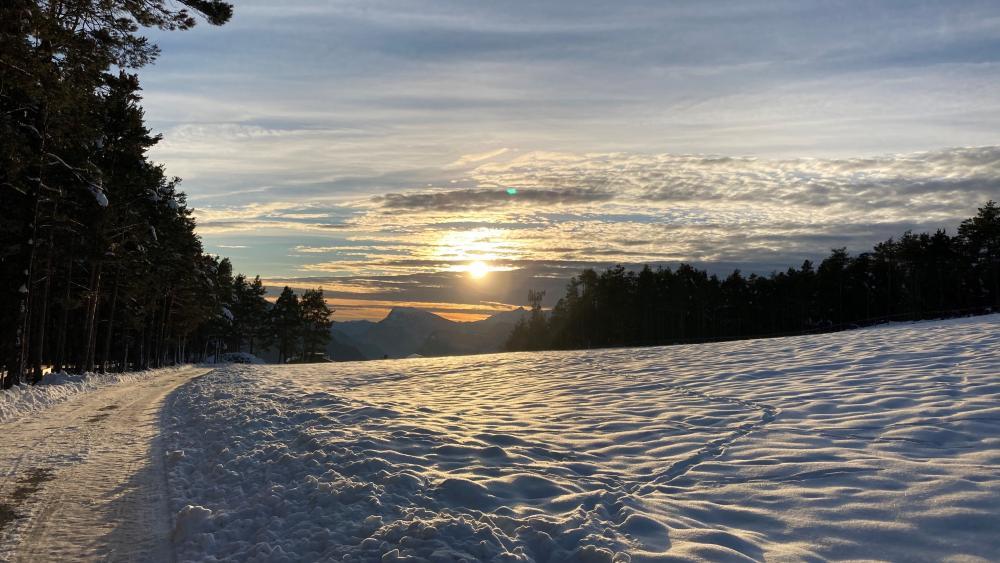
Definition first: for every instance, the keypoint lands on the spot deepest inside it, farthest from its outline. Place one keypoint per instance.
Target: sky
(378, 149)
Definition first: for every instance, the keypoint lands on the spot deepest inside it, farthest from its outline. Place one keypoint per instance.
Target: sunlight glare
(478, 270)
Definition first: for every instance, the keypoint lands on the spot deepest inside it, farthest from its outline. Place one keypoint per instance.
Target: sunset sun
(478, 270)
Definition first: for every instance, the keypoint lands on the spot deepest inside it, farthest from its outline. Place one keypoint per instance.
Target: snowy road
(83, 480)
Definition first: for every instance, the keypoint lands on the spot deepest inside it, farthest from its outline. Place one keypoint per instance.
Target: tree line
(292, 329)
(99, 262)
(914, 276)
(100, 266)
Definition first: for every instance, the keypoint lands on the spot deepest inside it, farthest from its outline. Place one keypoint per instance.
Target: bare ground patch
(27, 485)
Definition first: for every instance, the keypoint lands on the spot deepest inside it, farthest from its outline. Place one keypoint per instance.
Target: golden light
(478, 270)
(474, 245)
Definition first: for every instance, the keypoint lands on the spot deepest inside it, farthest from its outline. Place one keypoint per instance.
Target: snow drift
(881, 443)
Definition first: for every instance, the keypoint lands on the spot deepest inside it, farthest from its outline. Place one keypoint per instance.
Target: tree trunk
(111, 321)
(124, 361)
(43, 317)
(60, 360)
(165, 320)
(95, 293)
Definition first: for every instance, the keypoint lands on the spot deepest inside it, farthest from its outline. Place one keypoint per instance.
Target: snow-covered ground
(82, 477)
(878, 444)
(22, 401)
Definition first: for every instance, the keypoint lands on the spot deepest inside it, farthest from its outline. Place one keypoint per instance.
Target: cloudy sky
(382, 147)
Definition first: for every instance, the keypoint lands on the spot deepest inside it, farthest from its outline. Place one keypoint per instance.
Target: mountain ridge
(409, 330)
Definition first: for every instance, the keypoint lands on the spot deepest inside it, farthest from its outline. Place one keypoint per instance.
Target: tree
(250, 312)
(316, 324)
(530, 333)
(286, 324)
(980, 238)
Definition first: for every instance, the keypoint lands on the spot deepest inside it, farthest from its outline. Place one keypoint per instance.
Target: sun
(478, 270)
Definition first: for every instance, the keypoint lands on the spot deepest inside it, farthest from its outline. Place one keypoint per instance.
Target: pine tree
(316, 324)
(286, 324)
(250, 314)
(257, 311)
(980, 239)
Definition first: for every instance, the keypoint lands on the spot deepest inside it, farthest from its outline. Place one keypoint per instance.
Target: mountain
(354, 328)
(406, 331)
(348, 342)
(478, 337)
(343, 349)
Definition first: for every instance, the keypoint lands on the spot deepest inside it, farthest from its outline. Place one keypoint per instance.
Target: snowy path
(83, 479)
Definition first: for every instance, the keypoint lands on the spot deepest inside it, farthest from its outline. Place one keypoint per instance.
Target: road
(85, 479)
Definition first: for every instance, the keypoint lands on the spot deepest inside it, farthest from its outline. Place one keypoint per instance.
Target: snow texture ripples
(880, 443)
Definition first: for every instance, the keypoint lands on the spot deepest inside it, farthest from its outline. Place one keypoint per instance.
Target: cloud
(467, 159)
(576, 208)
(936, 182)
(265, 226)
(464, 200)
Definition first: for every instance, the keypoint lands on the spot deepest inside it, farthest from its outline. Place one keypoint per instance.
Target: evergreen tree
(256, 314)
(530, 333)
(250, 314)
(286, 324)
(979, 237)
(316, 325)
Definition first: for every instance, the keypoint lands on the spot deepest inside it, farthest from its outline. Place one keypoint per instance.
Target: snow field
(881, 443)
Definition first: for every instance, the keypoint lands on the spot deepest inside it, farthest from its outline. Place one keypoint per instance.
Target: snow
(882, 442)
(97, 190)
(22, 401)
(85, 480)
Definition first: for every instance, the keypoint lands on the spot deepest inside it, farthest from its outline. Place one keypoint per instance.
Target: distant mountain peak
(410, 313)
(406, 331)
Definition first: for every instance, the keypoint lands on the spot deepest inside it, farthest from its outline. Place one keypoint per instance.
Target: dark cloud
(476, 199)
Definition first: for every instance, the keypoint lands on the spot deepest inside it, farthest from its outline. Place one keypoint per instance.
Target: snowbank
(882, 442)
(21, 401)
